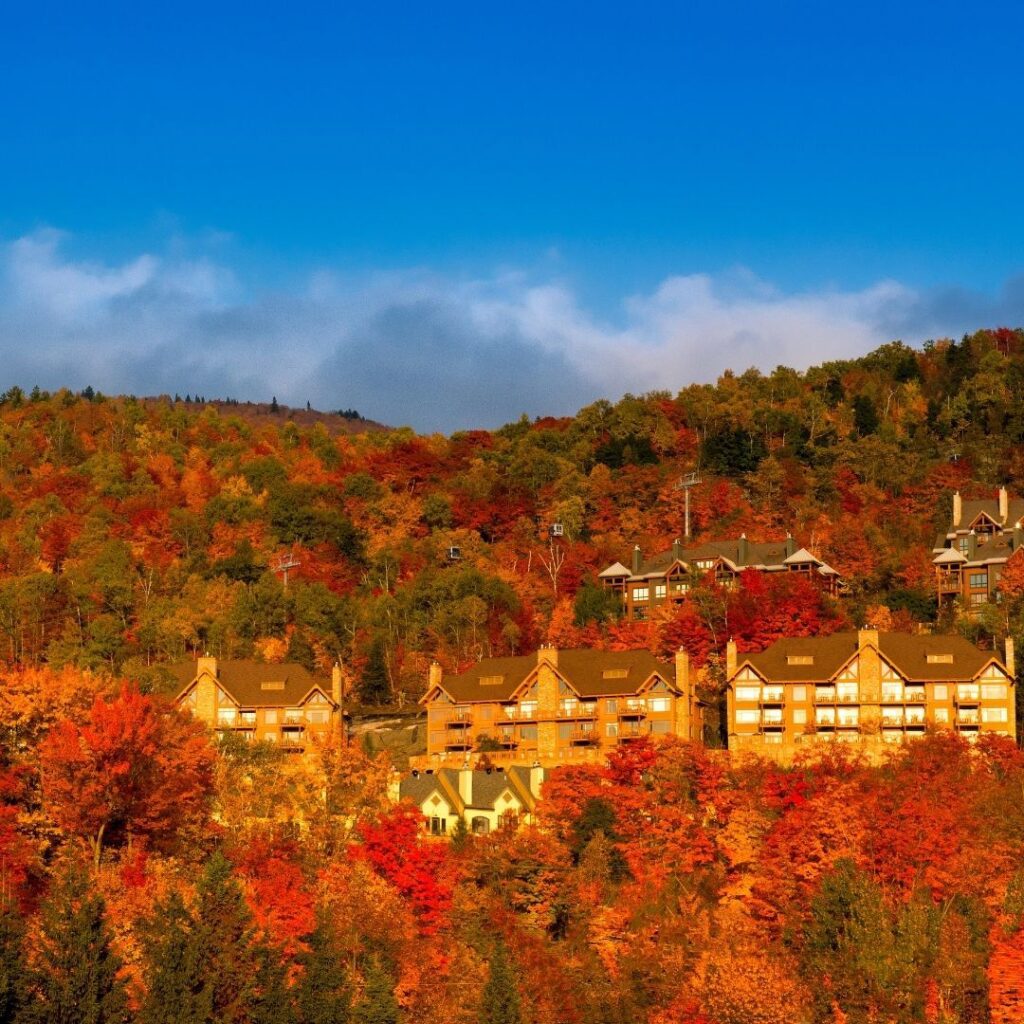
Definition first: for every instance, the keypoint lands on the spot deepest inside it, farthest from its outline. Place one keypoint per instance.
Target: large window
(993, 714)
(799, 693)
(748, 692)
(993, 691)
(641, 594)
(437, 826)
(658, 703)
(660, 590)
(748, 717)
(979, 580)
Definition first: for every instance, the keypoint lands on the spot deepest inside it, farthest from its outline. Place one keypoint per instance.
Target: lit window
(641, 593)
(799, 693)
(941, 692)
(658, 704)
(800, 716)
(611, 706)
(660, 590)
(993, 691)
(270, 716)
(748, 717)
(993, 714)
(748, 692)
(942, 715)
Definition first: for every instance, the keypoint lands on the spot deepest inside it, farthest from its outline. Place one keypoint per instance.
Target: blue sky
(530, 206)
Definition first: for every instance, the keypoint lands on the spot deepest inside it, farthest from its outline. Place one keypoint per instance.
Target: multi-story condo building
(557, 706)
(970, 556)
(282, 704)
(866, 687)
(484, 798)
(668, 576)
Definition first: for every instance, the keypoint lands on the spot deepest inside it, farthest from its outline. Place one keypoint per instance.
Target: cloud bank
(439, 352)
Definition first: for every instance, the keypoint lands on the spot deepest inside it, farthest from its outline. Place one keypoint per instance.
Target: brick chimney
(1010, 659)
(958, 509)
(1004, 505)
(636, 559)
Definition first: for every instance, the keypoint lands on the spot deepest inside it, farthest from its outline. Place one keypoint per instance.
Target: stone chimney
(790, 545)
(972, 545)
(395, 787)
(636, 559)
(466, 785)
(436, 674)
(1010, 659)
(730, 659)
(867, 637)
(682, 671)
(1004, 505)
(337, 685)
(547, 654)
(206, 690)
(744, 549)
(958, 509)
(684, 702)
(677, 549)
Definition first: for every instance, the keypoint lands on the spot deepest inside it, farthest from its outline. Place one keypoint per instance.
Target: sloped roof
(905, 651)
(758, 554)
(615, 569)
(949, 556)
(801, 556)
(497, 679)
(972, 508)
(250, 682)
(487, 787)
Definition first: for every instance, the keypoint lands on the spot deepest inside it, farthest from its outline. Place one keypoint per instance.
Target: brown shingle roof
(907, 652)
(245, 681)
(971, 509)
(584, 670)
(767, 553)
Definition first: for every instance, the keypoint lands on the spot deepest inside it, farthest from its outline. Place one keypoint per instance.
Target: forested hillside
(133, 533)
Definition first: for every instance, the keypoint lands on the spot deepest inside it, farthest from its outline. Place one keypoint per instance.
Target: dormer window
(799, 659)
(940, 659)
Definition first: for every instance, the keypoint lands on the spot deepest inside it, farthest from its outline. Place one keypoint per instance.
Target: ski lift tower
(684, 483)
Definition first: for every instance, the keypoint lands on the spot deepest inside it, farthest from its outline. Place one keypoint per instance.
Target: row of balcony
(465, 719)
(961, 695)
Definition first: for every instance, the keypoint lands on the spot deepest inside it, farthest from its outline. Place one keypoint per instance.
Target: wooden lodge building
(866, 687)
(668, 576)
(283, 704)
(557, 707)
(970, 557)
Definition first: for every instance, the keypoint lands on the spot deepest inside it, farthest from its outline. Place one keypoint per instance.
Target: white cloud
(440, 352)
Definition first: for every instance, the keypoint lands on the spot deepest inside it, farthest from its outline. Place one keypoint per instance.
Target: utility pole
(684, 483)
(286, 562)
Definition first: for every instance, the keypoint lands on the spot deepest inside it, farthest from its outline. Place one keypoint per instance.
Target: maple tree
(132, 770)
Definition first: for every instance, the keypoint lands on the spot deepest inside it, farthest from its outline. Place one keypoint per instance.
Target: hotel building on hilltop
(969, 558)
(866, 687)
(282, 704)
(667, 577)
(557, 707)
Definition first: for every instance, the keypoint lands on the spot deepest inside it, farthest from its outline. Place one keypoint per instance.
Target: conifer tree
(13, 979)
(223, 941)
(75, 979)
(179, 988)
(378, 1005)
(500, 1002)
(375, 686)
(322, 993)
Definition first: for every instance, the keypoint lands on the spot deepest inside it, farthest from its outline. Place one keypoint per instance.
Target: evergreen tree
(13, 980)
(224, 949)
(865, 416)
(75, 978)
(322, 993)
(374, 685)
(274, 407)
(179, 988)
(378, 1005)
(500, 1002)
